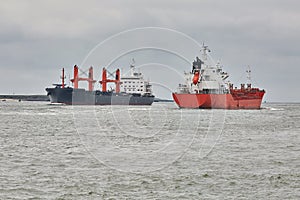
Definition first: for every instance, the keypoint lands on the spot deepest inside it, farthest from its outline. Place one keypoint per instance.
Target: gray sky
(37, 38)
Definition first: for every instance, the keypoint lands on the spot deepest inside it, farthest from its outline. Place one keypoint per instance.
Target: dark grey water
(157, 152)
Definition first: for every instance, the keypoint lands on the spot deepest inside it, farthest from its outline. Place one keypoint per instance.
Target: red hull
(221, 101)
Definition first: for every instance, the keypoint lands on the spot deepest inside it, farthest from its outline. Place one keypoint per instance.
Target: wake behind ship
(206, 87)
(129, 90)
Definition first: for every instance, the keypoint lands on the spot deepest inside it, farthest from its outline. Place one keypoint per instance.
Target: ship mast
(63, 78)
(204, 51)
(132, 67)
(248, 71)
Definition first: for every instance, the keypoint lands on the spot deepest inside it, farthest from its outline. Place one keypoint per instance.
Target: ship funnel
(197, 65)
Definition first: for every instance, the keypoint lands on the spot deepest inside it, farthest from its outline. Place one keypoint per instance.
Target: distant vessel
(130, 90)
(206, 87)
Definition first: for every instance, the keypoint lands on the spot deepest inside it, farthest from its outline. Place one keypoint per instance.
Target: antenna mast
(204, 50)
(248, 71)
(132, 67)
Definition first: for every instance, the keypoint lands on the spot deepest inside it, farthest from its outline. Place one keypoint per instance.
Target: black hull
(72, 96)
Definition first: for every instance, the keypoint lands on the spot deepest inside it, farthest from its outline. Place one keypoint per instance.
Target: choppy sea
(148, 152)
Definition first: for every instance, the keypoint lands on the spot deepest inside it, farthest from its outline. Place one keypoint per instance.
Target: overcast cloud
(37, 38)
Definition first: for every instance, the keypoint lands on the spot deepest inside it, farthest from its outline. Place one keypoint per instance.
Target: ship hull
(72, 96)
(218, 101)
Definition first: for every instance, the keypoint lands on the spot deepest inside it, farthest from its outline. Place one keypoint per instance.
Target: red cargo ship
(206, 87)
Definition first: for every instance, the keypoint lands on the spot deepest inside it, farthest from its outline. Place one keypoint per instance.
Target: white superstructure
(211, 77)
(134, 83)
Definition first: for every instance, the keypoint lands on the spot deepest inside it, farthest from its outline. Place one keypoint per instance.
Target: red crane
(104, 80)
(89, 79)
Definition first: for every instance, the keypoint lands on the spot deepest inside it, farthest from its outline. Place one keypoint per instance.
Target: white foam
(273, 109)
